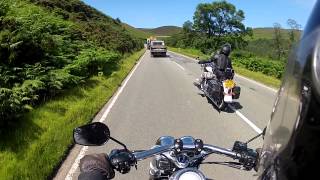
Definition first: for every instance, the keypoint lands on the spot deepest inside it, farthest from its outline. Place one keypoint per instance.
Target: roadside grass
(33, 149)
(257, 76)
(194, 53)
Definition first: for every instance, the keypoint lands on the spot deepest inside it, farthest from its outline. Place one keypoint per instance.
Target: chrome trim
(315, 70)
(207, 148)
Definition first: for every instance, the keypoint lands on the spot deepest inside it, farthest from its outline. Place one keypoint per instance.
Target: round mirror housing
(93, 134)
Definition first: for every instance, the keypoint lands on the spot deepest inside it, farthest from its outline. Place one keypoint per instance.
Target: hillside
(163, 30)
(136, 32)
(267, 33)
(60, 61)
(48, 46)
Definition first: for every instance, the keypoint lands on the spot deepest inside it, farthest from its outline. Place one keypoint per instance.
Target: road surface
(158, 98)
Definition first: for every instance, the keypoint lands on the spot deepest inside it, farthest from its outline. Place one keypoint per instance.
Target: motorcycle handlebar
(162, 149)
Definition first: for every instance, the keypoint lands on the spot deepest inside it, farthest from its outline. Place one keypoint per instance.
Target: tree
(187, 26)
(219, 19)
(278, 39)
(294, 28)
(221, 22)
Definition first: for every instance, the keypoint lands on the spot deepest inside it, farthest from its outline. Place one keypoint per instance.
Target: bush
(45, 50)
(258, 64)
(90, 61)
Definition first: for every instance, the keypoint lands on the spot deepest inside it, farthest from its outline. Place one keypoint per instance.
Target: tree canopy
(213, 24)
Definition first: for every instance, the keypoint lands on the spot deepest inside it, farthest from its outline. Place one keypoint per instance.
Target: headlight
(188, 174)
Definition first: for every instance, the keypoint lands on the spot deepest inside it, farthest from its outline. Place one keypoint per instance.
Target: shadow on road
(235, 105)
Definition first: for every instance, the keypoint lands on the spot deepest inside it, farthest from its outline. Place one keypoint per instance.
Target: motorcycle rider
(291, 147)
(218, 62)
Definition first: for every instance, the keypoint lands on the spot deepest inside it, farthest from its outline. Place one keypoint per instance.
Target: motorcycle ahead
(221, 91)
(173, 159)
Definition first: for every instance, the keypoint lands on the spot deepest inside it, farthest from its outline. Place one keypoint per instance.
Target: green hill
(50, 49)
(48, 46)
(163, 30)
(267, 33)
(137, 32)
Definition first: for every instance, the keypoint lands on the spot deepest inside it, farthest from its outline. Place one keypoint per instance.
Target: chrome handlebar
(207, 148)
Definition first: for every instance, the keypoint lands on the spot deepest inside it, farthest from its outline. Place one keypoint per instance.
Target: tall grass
(33, 148)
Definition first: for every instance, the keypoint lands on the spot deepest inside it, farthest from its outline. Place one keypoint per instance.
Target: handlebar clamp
(248, 156)
(122, 160)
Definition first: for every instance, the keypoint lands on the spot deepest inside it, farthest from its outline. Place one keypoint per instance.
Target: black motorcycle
(219, 90)
(173, 159)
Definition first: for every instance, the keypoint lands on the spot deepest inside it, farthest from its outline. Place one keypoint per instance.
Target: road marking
(84, 149)
(179, 65)
(253, 126)
(183, 56)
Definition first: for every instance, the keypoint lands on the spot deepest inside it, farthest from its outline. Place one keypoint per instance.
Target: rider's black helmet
(291, 148)
(226, 49)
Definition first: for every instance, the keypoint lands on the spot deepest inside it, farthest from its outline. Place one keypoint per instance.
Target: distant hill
(163, 30)
(258, 33)
(136, 32)
(267, 33)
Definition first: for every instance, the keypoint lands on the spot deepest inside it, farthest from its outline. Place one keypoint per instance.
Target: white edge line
(84, 149)
(179, 65)
(252, 81)
(253, 126)
(255, 82)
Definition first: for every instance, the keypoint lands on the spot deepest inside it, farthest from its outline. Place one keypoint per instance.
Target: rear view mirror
(94, 134)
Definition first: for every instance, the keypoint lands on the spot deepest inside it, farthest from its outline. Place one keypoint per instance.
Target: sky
(156, 13)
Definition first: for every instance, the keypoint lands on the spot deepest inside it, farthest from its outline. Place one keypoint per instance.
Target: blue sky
(155, 13)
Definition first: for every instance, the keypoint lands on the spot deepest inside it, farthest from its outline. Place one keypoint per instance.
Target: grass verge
(257, 76)
(34, 148)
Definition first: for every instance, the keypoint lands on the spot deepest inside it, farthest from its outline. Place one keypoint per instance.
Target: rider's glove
(96, 165)
(122, 160)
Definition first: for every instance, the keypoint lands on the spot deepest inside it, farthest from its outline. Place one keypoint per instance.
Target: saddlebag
(236, 90)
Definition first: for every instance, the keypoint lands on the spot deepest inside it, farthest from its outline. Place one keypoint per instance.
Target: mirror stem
(125, 147)
(261, 134)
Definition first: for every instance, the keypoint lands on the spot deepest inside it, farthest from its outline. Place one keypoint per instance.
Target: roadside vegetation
(261, 50)
(33, 149)
(60, 62)
(49, 46)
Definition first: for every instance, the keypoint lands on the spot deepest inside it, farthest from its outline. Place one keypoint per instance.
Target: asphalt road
(159, 98)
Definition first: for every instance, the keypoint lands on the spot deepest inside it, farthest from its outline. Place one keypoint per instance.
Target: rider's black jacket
(221, 62)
